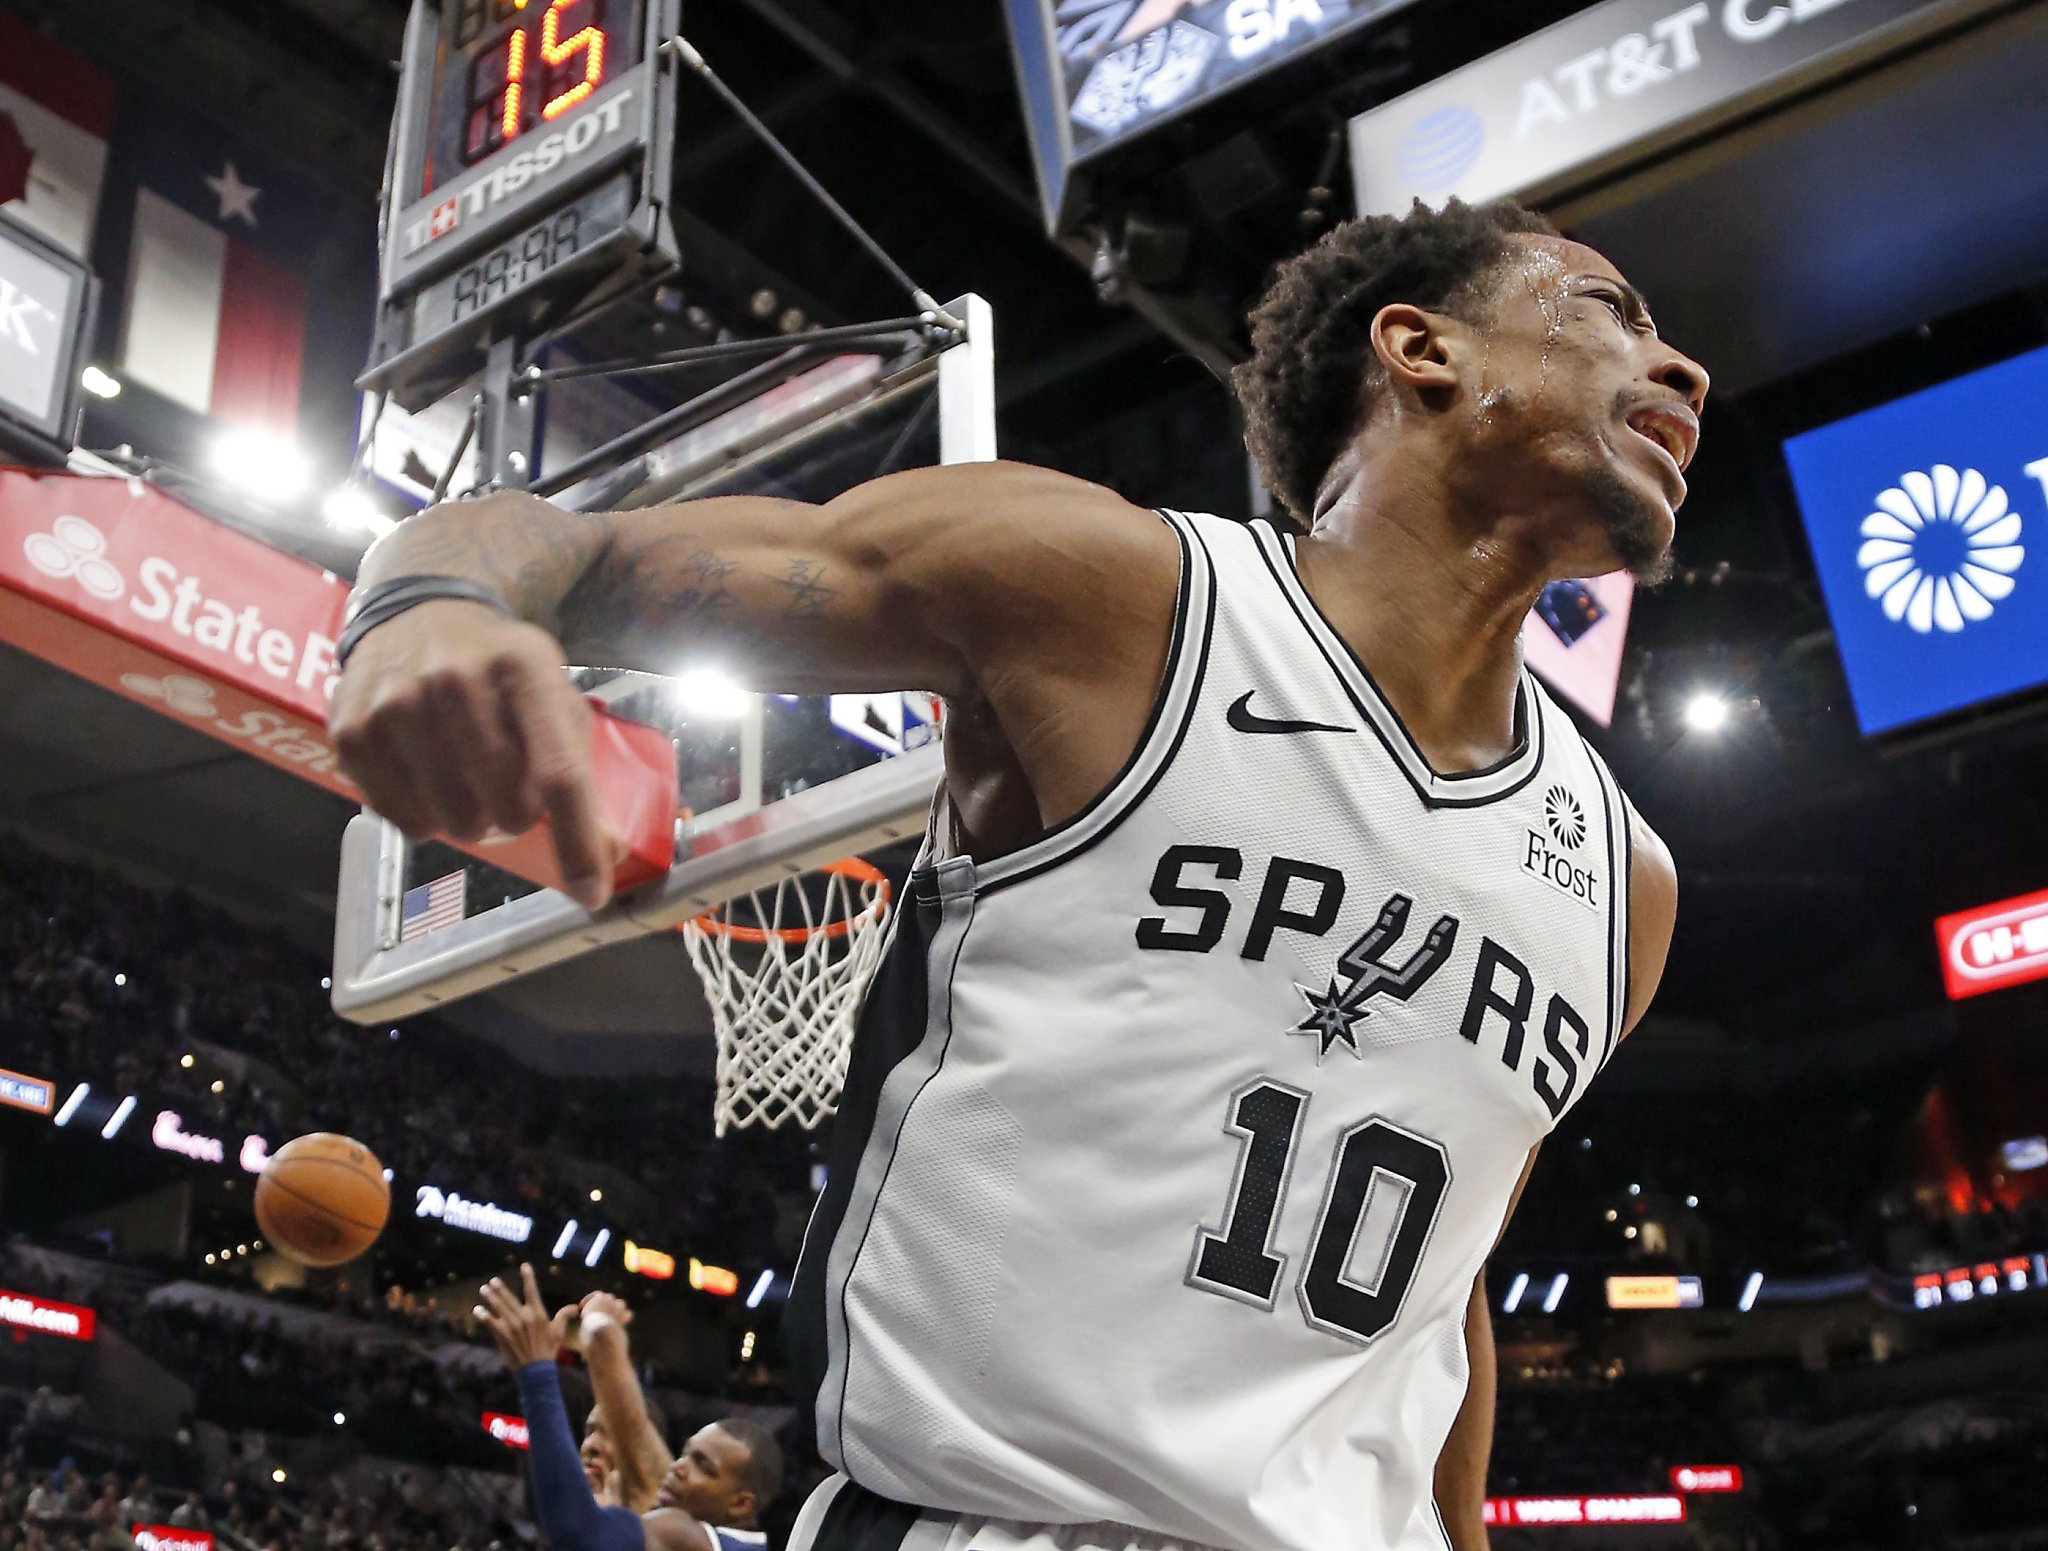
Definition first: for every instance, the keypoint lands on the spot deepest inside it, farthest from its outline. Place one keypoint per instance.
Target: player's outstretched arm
(944, 579)
(643, 1458)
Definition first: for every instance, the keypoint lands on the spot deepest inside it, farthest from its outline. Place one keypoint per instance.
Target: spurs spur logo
(75, 548)
(1362, 974)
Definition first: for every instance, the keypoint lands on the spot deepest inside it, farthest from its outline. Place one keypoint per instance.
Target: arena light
(1707, 711)
(716, 1280)
(604, 1237)
(277, 1475)
(71, 1104)
(1555, 1296)
(642, 1261)
(1516, 1288)
(341, 1419)
(100, 384)
(119, 1118)
(352, 511)
(1750, 1289)
(746, 1346)
(711, 695)
(265, 466)
(1707, 1478)
(1654, 1292)
(597, 1195)
(760, 1288)
(563, 1240)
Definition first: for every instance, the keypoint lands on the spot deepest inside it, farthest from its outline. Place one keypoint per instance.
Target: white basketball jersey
(1174, 1141)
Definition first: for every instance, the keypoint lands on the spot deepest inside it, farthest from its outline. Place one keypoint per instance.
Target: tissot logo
(596, 126)
(1565, 818)
(1940, 550)
(75, 548)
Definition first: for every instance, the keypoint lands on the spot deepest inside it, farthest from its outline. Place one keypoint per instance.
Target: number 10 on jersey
(1380, 1202)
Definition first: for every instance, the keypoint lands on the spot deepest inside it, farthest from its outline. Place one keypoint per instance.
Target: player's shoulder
(671, 1529)
(1000, 495)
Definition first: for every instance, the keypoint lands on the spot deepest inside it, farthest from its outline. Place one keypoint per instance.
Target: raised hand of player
(602, 1311)
(521, 1327)
(455, 720)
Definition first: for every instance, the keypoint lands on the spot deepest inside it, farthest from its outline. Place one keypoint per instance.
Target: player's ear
(744, 1504)
(1412, 346)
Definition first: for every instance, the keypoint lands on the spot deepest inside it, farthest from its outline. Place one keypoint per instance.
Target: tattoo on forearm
(805, 583)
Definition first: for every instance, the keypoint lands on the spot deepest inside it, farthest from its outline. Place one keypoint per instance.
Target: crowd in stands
(139, 991)
(63, 1489)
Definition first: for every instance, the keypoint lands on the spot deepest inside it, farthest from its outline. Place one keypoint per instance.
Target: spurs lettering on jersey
(1493, 1010)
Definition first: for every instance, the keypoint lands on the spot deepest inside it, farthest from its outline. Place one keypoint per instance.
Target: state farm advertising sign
(25, 1311)
(169, 1537)
(113, 580)
(1994, 946)
(508, 1430)
(1707, 1478)
(1537, 1512)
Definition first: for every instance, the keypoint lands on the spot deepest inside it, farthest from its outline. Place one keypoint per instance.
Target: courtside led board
(1994, 946)
(1922, 514)
(529, 163)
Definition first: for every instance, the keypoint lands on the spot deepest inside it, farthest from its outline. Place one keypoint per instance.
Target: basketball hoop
(784, 969)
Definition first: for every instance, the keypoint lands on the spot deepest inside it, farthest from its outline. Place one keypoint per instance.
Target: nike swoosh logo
(1244, 719)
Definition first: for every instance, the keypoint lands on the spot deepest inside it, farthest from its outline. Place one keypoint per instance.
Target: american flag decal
(432, 906)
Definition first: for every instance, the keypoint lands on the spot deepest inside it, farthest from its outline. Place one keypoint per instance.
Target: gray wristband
(384, 602)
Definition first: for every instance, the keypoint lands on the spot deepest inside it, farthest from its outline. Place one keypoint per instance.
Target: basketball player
(710, 1498)
(595, 1453)
(636, 1456)
(1272, 915)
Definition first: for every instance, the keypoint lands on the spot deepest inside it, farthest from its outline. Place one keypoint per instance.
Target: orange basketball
(322, 1199)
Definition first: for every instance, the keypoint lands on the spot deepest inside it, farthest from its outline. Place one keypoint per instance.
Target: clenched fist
(455, 721)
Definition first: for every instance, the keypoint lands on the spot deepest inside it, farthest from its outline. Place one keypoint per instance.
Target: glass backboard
(770, 785)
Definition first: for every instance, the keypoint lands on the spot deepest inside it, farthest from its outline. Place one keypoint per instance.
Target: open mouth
(1673, 430)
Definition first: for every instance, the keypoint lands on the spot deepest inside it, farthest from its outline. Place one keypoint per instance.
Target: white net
(785, 969)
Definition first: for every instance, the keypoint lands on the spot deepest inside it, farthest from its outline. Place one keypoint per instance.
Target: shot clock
(528, 171)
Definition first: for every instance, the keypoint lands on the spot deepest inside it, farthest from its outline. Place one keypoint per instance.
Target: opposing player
(708, 1500)
(1272, 916)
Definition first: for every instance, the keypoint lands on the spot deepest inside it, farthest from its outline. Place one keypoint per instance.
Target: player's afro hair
(1307, 387)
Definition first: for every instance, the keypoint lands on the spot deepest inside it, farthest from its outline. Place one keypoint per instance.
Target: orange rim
(849, 867)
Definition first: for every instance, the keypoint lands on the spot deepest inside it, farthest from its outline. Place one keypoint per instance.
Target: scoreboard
(528, 171)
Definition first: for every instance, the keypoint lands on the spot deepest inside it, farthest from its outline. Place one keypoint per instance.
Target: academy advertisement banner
(1620, 79)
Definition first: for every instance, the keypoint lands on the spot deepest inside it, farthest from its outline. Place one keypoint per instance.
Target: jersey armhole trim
(1620, 860)
(1187, 660)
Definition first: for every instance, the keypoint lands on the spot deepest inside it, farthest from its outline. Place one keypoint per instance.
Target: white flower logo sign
(1940, 550)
